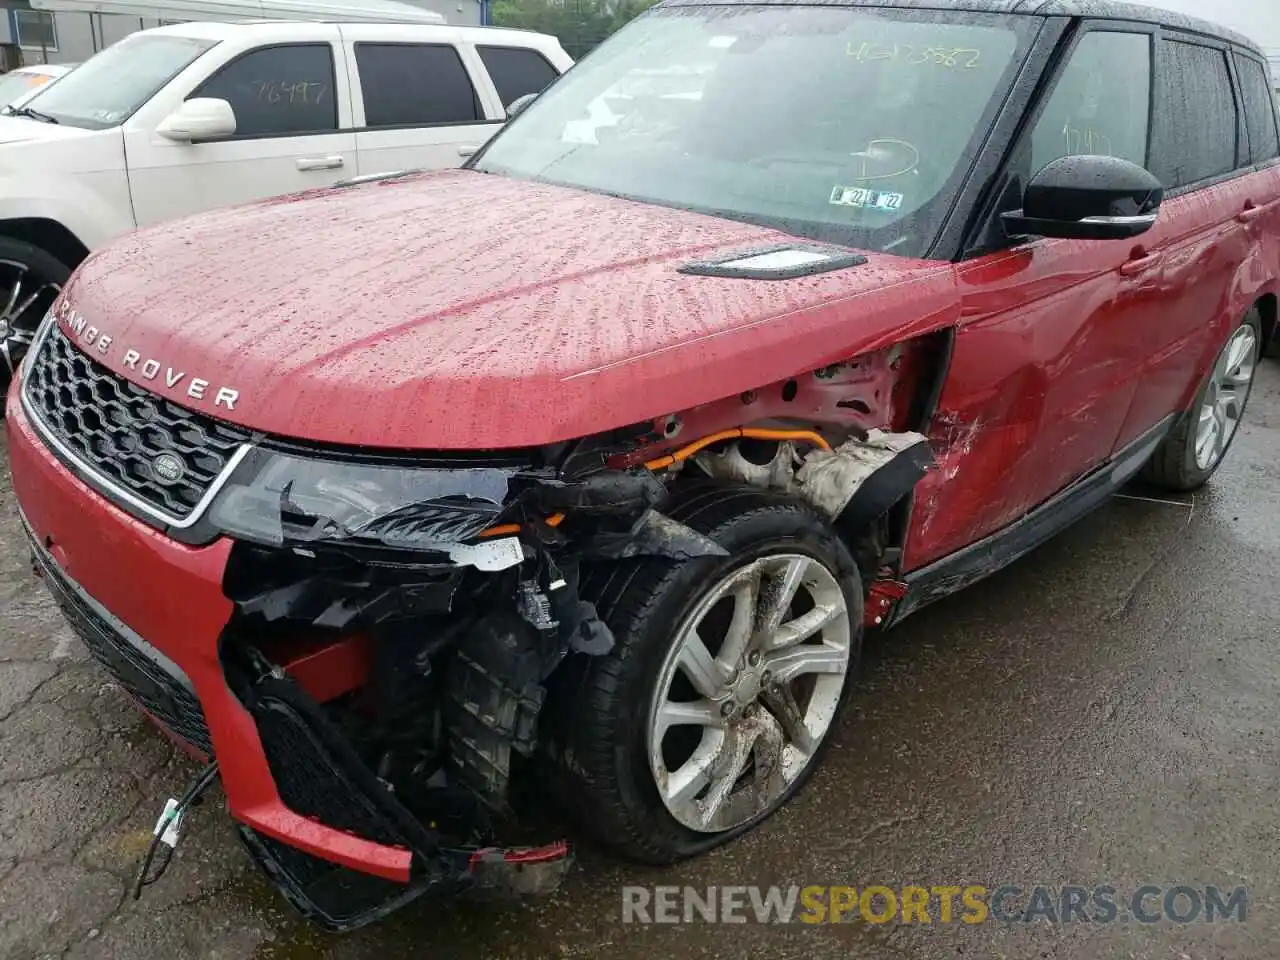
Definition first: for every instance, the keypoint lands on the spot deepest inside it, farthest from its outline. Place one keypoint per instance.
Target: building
(64, 37)
(38, 36)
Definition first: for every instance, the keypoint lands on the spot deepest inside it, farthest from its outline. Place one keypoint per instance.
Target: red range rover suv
(579, 472)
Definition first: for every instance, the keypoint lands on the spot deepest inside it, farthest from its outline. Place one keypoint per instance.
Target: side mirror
(516, 106)
(201, 118)
(1087, 198)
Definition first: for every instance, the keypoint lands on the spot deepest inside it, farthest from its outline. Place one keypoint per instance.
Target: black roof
(1093, 9)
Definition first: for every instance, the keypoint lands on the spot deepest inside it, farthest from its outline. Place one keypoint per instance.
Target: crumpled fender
(861, 479)
(852, 485)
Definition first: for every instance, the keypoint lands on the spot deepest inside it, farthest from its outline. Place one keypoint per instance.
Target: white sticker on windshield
(721, 43)
(865, 199)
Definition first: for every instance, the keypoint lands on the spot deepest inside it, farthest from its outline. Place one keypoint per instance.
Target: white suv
(180, 119)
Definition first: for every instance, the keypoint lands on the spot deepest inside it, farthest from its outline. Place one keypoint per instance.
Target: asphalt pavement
(1105, 712)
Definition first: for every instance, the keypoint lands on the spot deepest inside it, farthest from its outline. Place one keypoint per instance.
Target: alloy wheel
(748, 690)
(1229, 383)
(27, 296)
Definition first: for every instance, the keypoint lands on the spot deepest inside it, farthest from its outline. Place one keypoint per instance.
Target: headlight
(275, 498)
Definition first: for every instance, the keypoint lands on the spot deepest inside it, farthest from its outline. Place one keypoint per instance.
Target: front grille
(124, 433)
(162, 694)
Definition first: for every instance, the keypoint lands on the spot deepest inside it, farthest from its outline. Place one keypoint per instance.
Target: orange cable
(552, 521)
(750, 433)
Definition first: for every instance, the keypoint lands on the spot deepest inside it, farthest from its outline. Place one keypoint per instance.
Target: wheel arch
(873, 401)
(47, 234)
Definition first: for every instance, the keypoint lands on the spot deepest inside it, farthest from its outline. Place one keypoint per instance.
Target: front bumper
(153, 611)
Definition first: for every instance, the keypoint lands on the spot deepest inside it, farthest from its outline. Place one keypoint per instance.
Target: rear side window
(516, 71)
(278, 90)
(415, 84)
(1259, 109)
(1101, 103)
(1197, 126)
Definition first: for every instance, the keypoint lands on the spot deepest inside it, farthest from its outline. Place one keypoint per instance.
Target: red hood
(459, 310)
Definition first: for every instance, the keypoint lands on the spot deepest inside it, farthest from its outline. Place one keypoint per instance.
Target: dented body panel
(1065, 355)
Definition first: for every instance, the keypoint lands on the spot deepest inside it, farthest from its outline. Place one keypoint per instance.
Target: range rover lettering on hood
(95, 340)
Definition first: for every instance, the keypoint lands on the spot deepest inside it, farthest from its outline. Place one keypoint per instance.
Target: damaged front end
(395, 626)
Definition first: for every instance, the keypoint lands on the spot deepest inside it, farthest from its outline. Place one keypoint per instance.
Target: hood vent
(784, 261)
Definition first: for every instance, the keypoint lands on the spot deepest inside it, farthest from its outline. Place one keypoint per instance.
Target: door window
(287, 89)
(1259, 109)
(516, 71)
(415, 84)
(1101, 103)
(1197, 124)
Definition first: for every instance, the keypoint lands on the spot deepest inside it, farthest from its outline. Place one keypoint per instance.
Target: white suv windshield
(14, 84)
(109, 87)
(847, 125)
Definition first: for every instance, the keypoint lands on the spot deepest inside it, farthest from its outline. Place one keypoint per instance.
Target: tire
(1271, 349)
(598, 715)
(1174, 466)
(39, 276)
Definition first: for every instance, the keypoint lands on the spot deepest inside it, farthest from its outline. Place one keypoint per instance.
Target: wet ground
(1106, 711)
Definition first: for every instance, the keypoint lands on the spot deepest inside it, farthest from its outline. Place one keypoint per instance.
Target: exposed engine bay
(420, 631)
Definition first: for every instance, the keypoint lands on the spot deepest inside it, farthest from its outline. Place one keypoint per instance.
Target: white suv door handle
(320, 163)
(468, 150)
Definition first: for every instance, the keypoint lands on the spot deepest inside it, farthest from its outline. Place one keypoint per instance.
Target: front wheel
(1194, 450)
(30, 280)
(726, 679)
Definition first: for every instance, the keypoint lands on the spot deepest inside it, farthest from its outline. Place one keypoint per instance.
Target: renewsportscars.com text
(913, 904)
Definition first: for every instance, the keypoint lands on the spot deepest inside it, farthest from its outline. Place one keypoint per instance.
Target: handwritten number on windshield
(304, 92)
(953, 58)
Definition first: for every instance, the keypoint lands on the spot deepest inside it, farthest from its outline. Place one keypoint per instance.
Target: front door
(1041, 376)
(291, 134)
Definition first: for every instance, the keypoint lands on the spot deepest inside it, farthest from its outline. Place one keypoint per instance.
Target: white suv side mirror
(516, 106)
(201, 118)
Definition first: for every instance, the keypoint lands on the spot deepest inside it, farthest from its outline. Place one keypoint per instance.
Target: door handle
(1251, 212)
(320, 163)
(468, 149)
(1131, 268)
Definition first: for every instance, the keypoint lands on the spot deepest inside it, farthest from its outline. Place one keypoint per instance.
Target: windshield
(840, 125)
(14, 85)
(109, 87)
